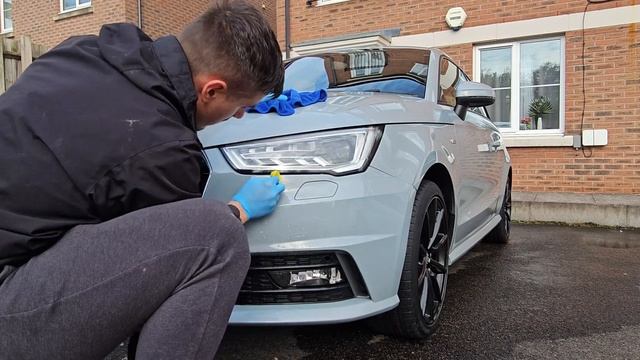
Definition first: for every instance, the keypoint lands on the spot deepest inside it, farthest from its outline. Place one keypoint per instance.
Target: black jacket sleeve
(165, 173)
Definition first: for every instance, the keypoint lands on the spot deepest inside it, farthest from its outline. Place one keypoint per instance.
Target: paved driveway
(553, 293)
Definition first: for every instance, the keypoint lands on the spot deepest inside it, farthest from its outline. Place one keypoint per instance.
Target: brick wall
(162, 17)
(268, 8)
(415, 16)
(612, 86)
(131, 11)
(36, 19)
(612, 81)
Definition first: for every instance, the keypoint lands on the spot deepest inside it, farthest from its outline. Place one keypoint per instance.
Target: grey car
(388, 182)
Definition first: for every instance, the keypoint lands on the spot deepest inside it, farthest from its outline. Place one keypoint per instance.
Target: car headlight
(337, 152)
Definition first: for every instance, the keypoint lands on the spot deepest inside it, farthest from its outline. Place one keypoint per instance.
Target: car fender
(407, 152)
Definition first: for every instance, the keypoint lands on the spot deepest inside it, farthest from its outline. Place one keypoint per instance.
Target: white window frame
(5, 30)
(515, 84)
(77, 7)
(328, 2)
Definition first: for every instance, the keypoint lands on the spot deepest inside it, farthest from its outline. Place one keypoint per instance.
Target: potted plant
(539, 107)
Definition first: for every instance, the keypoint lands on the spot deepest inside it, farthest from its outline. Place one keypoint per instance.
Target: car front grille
(267, 281)
(306, 296)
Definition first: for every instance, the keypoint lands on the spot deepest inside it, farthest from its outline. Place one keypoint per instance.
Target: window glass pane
(306, 74)
(397, 71)
(495, 67)
(495, 71)
(500, 111)
(529, 121)
(85, 2)
(8, 22)
(395, 86)
(7, 11)
(478, 110)
(68, 4)
(540, 63)
(449, 77)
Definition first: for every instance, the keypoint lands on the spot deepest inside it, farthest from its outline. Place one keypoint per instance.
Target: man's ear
(211, 89)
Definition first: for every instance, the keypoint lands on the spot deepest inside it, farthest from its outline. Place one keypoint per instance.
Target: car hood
(341, 110)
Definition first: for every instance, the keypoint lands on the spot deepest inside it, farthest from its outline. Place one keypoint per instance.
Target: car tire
(501, 233)
(426, 265)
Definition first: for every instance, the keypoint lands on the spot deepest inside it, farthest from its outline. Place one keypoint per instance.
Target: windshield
(396, 71)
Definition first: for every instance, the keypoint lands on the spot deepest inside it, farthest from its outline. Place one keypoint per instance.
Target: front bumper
(364, 215)
(310, 314)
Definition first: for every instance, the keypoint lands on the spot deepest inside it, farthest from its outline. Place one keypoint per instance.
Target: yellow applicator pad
(276, 173)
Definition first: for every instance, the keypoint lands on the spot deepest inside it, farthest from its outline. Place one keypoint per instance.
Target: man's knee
(181, 224)
(204, 221)
(212, 225)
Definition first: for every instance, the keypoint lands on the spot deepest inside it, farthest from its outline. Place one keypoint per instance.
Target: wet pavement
(553, 292)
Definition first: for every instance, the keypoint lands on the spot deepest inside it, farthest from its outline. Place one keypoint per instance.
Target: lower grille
(270, 279)
(310, 296)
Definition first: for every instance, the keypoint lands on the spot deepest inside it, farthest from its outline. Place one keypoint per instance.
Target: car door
(478, 162)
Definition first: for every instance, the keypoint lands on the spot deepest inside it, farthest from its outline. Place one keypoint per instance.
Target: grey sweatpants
(172, 272)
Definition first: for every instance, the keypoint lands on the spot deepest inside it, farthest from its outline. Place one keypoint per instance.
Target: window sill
(330, 2)
(512, 141)
(7, 34)
(73, 13)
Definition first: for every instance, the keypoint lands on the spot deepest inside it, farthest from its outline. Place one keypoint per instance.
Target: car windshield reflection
(395, 71)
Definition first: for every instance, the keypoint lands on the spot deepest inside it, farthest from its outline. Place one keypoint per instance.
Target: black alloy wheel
(433, 264)
(501, 233)
(506, 209)
(423, 282)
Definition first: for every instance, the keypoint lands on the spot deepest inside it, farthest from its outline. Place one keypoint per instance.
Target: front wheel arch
(502, 232)
(423, 282)
(439, 174)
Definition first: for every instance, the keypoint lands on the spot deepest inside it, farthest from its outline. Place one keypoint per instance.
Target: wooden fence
(15, 56)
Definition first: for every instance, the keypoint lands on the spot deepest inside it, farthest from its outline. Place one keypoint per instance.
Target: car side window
(449, 78)
(479, 111)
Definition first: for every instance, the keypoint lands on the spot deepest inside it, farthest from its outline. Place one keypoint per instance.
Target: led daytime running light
(335, 152)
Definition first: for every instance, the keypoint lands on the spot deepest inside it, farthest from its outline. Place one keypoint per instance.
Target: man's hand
(258, 197)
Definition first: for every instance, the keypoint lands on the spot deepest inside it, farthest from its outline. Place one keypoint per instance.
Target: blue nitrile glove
(259, 196)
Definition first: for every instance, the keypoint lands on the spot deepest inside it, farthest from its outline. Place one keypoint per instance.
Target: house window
(7, 22)
(70, 5)
(528, 78)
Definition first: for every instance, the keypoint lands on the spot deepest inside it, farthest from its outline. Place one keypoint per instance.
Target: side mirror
(472, 94)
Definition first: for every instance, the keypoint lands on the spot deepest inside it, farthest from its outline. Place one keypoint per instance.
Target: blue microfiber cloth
(284, 104)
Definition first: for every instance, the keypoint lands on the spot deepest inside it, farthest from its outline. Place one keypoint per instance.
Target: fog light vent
(315, 277)
(299, 278)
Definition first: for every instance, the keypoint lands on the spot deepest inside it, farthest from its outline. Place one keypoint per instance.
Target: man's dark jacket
(97, 127)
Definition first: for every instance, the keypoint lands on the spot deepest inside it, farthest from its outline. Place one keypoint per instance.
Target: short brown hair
(233, 40)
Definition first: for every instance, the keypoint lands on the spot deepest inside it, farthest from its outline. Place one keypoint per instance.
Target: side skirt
(473, 239)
